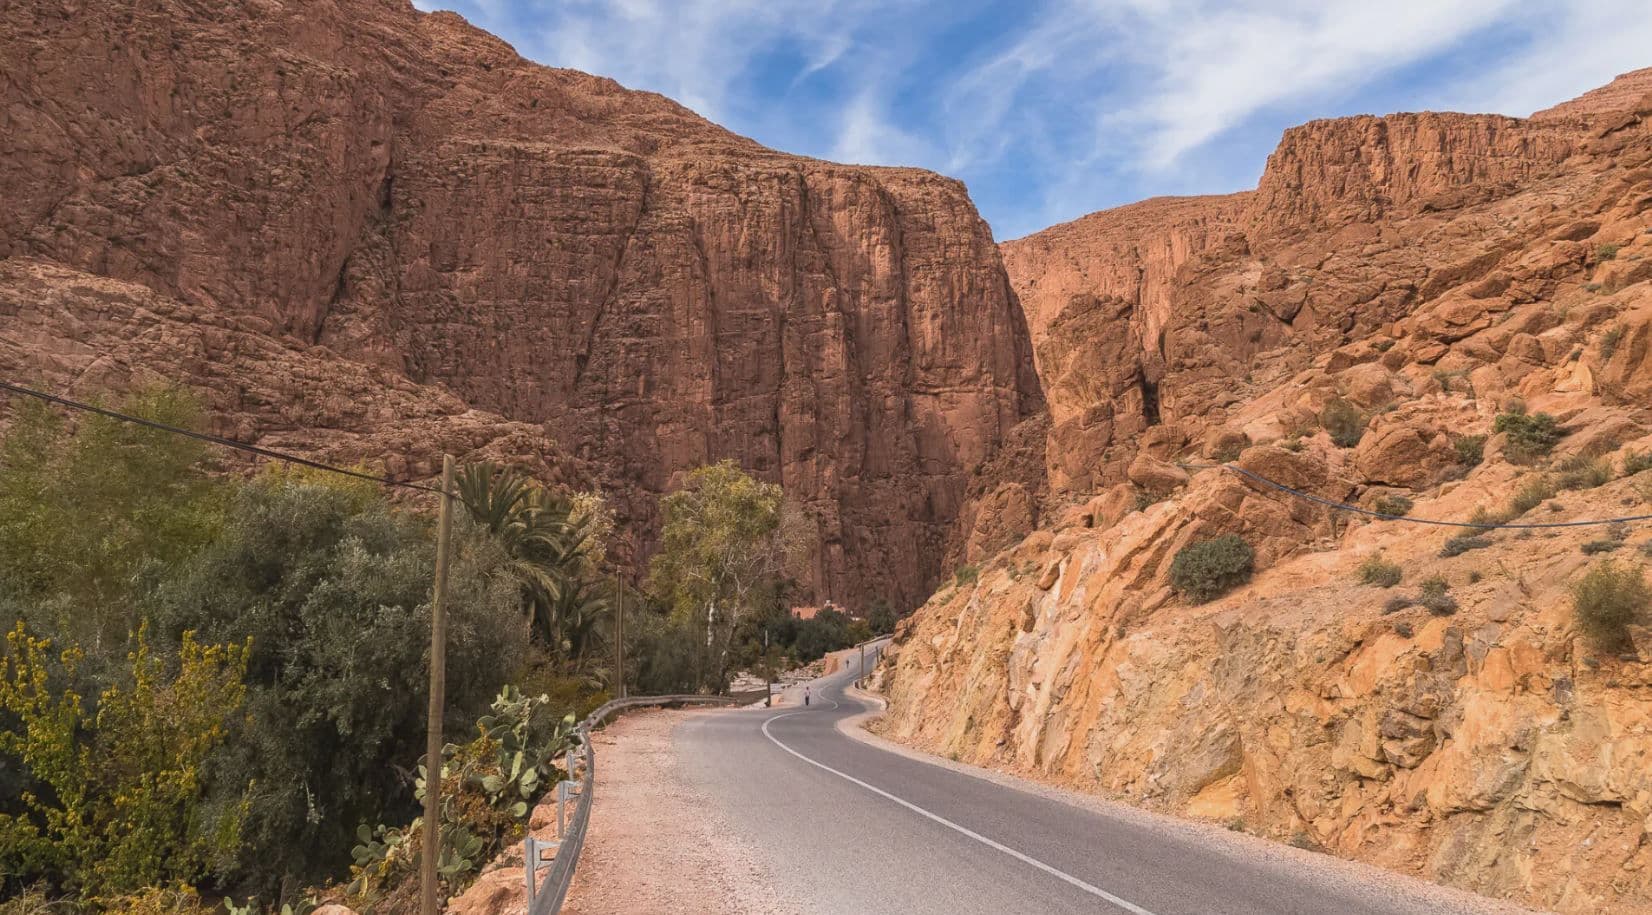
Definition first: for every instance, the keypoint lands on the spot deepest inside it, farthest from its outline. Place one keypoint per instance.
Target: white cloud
(1576, 46)
(867, 136)
(695, 51)
(1085, 102)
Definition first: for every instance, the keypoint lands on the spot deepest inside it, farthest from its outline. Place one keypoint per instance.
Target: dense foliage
(1607, 600)
(212, 680)
(1529, 435)
(215, 684)
(727, 545)
(1204, 569)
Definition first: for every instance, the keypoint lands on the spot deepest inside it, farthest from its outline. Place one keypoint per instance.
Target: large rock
(1401, 453)
(381, 187)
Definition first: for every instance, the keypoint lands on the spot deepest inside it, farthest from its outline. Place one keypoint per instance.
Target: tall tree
(727, 544)
(549, 541)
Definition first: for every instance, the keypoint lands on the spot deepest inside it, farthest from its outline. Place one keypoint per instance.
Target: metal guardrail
(547, 898)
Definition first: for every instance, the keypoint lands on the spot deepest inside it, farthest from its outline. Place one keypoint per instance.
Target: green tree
(116, 801)
(332, 585)
(86, 509)
(882, 618)
(546, 539)
(727, 542)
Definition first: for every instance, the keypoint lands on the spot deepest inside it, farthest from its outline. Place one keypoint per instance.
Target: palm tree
(545, 547)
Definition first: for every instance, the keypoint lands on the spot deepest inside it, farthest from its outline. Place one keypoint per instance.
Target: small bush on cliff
(1636, 461)
(1595, 547)
(1471, 449)
(1583, 472)
(1436, 597)
(1462, 543)
(965, 575)
(1609, 341)
(1606, 252)
(1607, 599)
(1530, 435)
(1203, 570)
(1399, 506)
(1376, 571)
(1530, 495)
(1344, 422)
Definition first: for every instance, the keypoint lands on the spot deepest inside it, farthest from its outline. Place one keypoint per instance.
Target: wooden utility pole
(432, 837)
(619, 633)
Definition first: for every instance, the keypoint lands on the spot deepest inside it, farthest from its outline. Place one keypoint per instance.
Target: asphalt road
(842, 826)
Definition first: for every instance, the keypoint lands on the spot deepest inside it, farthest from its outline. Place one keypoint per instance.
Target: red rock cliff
(369, 185)
(1152, 321)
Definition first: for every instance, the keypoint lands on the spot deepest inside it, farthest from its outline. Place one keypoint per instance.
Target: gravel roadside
(655, 845)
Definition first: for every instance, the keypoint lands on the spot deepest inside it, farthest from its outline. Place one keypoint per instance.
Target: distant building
(809, 613)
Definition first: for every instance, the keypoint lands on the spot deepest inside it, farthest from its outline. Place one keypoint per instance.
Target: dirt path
(655, 846)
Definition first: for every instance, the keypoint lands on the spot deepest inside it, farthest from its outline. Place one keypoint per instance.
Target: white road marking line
(1093, 890)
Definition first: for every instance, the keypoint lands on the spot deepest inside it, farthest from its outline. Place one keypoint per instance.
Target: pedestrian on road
(805, 695)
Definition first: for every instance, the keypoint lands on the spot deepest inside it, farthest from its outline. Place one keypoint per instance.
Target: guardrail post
(530, 861)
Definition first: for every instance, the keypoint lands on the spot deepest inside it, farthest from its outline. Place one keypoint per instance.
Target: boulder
(1400, 453)
(1154, 475)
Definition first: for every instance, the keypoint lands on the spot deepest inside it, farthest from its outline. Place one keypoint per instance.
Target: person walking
(805, 695)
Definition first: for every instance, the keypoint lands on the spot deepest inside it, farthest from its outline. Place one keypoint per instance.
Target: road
(843, 826)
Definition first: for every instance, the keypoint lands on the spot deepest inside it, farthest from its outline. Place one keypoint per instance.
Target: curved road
(846, 827)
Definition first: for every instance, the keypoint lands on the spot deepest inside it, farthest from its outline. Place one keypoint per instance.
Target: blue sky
(1050, 109)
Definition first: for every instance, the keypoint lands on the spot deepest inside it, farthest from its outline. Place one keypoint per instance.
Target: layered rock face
(1144, 317)
(402, 196)
(1486, 743)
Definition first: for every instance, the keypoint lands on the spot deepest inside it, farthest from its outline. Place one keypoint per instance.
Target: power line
(1344, 506)
(214, 439)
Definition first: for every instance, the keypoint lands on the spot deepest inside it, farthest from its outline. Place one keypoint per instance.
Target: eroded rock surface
(398, 200)
(1398, 281)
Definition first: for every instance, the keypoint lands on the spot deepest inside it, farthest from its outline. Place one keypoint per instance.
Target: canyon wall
(1144, 317)
(1427, 272)
(402, 197)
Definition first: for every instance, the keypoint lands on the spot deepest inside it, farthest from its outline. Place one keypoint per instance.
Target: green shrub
(1397, 603)
(1607, 600)
(489, 788)
(1594, 547)
(117, 801)
(1145, 498)
(1531, 494)
(1606, 252)
(1530, 435)
(1375, 571)
(1344, 422)
(1484, 515)
(1462, 543)
(1398, 506)
(965, 575)
(1203, 570)
(1583, 472)
(1635, 462)
(1471, 449)
(1436, 597)
(332, 586)
(1609, 341)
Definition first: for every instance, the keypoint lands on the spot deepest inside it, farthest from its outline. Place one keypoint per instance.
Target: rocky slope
(1422, 272)
(403, 206)
(1144, 316)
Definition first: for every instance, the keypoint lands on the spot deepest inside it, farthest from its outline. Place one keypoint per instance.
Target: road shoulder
(655, 844)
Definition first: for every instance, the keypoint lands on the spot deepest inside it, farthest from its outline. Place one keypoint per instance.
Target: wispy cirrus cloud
(1052, 108)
